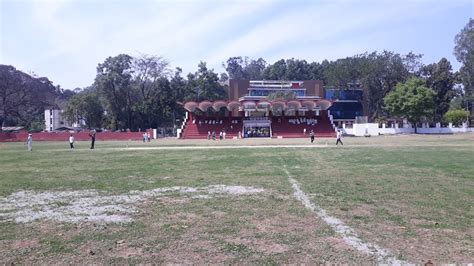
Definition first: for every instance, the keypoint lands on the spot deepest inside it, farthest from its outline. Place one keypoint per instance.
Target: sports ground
(387, 199)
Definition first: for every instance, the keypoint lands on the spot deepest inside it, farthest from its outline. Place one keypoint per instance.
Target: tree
(411, 100)
(114, 84)
(235, 68)
(297, 69)
(23, 98)
(85, 106)
(149, 85)
(244, 68)
(440, 78)
(253, 69)
(464, 52)
(204, 85)
(464, 42)
(456, 116)
(276, 71)
(380, 74)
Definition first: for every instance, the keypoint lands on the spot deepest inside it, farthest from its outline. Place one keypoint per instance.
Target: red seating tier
(281, 127)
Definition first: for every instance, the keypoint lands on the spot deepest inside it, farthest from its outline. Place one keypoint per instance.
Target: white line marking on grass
(331, 145)
(347, 233)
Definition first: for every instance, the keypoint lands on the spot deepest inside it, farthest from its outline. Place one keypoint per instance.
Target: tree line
(143, 91)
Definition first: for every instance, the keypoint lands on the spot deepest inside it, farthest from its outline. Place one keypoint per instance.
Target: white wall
(373, 129)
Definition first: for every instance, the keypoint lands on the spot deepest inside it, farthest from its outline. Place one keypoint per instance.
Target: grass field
(232, 201)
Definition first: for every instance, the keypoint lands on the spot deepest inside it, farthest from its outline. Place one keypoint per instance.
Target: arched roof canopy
(191, 106)
(324, 104)
(309, 104)
(294, 105)
(264, 104)
(204, 105)
(217, 105)
(232, 105)
(278, 105)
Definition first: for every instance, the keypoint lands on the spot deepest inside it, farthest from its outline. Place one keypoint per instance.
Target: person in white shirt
(29, 142)
(339, 137)
(71, 141)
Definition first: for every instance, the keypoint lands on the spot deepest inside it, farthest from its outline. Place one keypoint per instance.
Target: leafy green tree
(114, 84)
(381, 73)
(317, 70)
(276, 71)
(204, 85)
(411, 100)
(254, 68)
(23, 97)
(440, 78)
(464, 42)
(150, 82)
(456, 116)
(244, 68)
(235, 67)
(297, 69)
(464, 52)
(85, 106)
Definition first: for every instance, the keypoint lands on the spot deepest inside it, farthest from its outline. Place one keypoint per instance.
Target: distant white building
(54, 119)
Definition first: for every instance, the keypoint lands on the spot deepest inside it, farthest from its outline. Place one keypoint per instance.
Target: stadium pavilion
(253, 109)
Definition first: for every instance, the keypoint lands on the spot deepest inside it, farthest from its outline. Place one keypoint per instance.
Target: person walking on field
(29, 142)
(311, 135)
(71, 142)
(92, 135)
(339, 137)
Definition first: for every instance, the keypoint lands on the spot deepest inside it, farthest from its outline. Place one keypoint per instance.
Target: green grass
(399, 192)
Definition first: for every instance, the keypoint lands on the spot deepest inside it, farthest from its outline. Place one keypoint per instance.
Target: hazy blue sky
(65, 40)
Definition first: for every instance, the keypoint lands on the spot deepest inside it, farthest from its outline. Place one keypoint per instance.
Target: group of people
(29, 141)
(212, 135)
(146, 137)
(260, 132)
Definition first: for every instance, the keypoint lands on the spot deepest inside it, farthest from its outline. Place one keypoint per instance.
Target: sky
(65, 40)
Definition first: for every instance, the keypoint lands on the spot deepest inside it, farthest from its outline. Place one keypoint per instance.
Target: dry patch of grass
(253, 229)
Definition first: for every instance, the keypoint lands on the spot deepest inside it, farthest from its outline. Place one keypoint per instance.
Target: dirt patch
(96, 206)
(126, 252)
(21, 244)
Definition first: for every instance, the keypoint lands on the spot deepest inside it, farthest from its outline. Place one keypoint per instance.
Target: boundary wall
(374, 129)
(64, 136)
